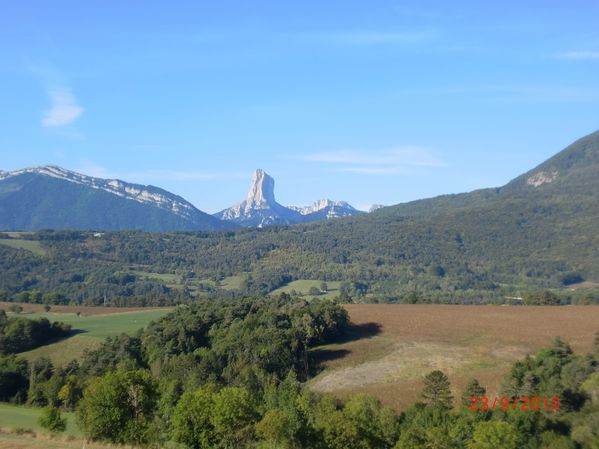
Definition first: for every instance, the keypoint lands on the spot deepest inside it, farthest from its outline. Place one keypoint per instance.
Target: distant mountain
(53, 197)
(325, 209)
(261, 209)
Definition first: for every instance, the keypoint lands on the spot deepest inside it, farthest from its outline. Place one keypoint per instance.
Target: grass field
(14, 417)
(29, 245)
(394, 346)
(12, 440)
(93, 329)
(232, 282)
(83, 310)
(167, 278)
(303, 286)
(174, 280)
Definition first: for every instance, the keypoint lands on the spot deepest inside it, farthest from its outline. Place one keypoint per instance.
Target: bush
(314, 291)
(52, 420)
(542, 298)
(15, 308)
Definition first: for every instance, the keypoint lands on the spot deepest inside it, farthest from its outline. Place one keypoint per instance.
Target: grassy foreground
(12, 440)
(21, 417)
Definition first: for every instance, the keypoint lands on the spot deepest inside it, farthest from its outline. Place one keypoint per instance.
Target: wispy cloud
(579, 55)
(403, 160)
(64, 109)
(367, 38)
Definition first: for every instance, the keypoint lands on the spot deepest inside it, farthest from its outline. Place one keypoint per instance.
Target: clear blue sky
(371, 102)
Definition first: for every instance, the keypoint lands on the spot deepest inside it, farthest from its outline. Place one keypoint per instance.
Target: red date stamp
(534, 403)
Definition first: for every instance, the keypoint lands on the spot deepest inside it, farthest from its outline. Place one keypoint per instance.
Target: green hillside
(539, 231)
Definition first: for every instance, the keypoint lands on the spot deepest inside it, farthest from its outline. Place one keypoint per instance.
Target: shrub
(52, 420)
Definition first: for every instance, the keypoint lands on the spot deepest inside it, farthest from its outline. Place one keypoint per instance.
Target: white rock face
(141, 194)
(262, 190)
(328, 208)
(542, 177)
(261, 209)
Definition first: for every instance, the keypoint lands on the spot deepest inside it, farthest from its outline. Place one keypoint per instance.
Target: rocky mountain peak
(261, 209)
(262, 189)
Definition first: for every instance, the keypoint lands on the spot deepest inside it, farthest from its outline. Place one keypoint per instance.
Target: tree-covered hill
(538, 231)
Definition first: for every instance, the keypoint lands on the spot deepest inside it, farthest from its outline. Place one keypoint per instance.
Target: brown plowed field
(394, 346)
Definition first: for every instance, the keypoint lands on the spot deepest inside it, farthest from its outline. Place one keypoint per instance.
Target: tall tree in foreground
(233, 417)
(119, 407)
(494, 435)
(436, 390)
(191, 418)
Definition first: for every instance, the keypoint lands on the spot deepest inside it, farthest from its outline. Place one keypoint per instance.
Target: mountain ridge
(33, 186)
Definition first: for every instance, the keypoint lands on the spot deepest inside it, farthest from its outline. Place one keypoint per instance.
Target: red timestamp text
(534, 403)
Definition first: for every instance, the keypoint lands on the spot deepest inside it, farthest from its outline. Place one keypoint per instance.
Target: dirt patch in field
(464, 341)
(405, 361)
(84, 310)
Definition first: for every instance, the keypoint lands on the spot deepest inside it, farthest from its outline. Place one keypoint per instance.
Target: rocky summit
(261, 209)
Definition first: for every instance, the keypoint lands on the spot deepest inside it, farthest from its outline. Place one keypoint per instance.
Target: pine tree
(473, 389)
(436, 390)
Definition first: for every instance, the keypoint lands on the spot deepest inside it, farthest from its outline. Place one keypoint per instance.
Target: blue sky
(370, 102)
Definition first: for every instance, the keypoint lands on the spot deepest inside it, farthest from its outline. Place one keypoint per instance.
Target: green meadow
(303, 286)
(21, 417)
(30, 245)
(90, 331)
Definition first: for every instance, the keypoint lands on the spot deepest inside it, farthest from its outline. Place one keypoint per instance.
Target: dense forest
(229, 374)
